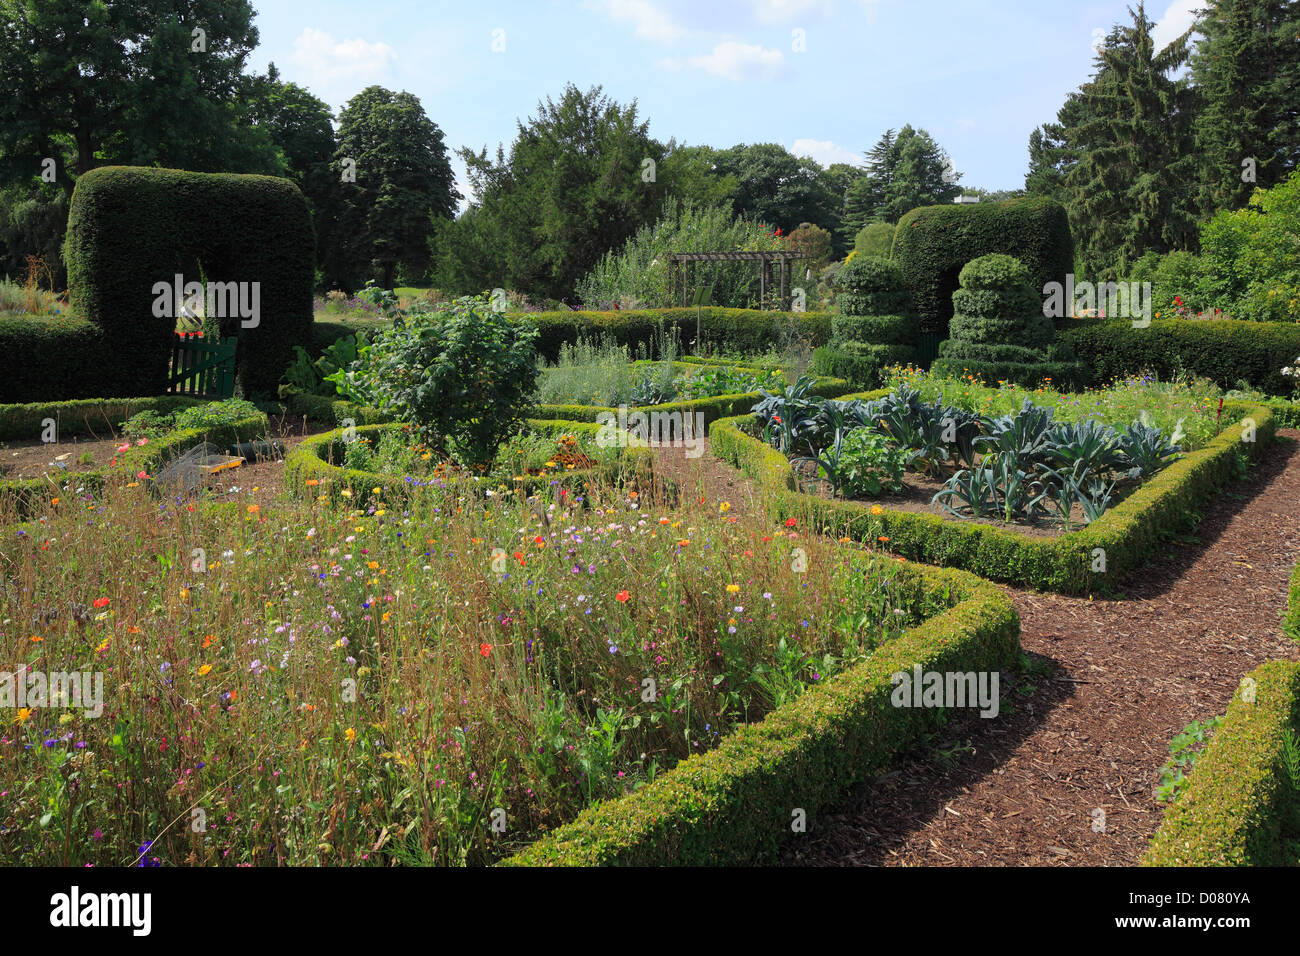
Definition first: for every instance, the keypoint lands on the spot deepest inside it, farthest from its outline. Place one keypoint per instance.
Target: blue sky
(822, 77)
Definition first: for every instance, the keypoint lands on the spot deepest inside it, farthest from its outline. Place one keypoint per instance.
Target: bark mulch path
(1087, 725)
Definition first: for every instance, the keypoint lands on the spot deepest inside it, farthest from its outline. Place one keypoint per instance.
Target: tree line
(1139, 155)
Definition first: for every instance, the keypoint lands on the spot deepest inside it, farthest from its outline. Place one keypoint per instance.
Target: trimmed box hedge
(29, 494)
(1225, 350)
(734, 804)
(86, 416)
(56, 358)
(309, 473)
(933, 243)
(1124, 537)
(1239, 806)
(130, 227)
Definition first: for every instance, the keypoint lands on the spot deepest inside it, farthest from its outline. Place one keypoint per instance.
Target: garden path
(1089, 727)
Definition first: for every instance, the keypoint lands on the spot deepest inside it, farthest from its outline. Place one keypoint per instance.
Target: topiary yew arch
(130, 228)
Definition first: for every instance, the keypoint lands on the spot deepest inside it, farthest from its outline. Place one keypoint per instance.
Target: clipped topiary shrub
(132, 230)
(933, 243)
(999, 332)
(876, 326)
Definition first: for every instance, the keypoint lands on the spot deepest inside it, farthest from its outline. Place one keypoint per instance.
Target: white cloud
(735, 61)
(650, 22)
(784, 11)
(328, 59)
(1098, 38)
(1180, 15)
(825, 152)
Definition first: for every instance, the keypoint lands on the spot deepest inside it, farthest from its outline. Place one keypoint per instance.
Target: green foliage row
(933, 243)
(1240, 804)
(734, 804)
(737, 331)
(131, 227)
(1127, 534)
(718, 406)
(1226, 351)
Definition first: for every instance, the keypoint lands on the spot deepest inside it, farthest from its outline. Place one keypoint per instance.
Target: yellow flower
(254, 509)
(877, 510)
(185, 594)
(733, 588)
(372, 565)
(205, 670)
(24, 713)
(724, 507)
(350, 734)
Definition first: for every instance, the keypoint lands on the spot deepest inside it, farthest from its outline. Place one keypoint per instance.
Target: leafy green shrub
(870, 464)
(933, 243)
(462, 375)
(1249, 266)
(993, 344)
(132, 227)
(874, 239)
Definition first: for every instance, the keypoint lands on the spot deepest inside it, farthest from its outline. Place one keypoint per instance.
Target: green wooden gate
(202, 369)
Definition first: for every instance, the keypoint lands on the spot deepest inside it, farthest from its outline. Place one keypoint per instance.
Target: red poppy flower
(790, 522)
(622, 597)
(101, 602)
(485, 649)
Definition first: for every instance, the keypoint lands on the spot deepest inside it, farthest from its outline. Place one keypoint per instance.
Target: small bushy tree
(462, 375)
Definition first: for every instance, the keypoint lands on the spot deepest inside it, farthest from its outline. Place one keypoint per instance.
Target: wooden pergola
(680, 268)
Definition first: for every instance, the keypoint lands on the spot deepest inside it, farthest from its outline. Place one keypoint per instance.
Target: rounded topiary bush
(998, 330)
(871, 285)
(995, 271)
(876, 326)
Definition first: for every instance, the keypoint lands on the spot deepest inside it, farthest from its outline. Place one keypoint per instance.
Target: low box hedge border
(1123, 538)
(1239, 800)
(719, 406)
(734, 804)
(27, 495)
(308, 473)
(82, 416)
